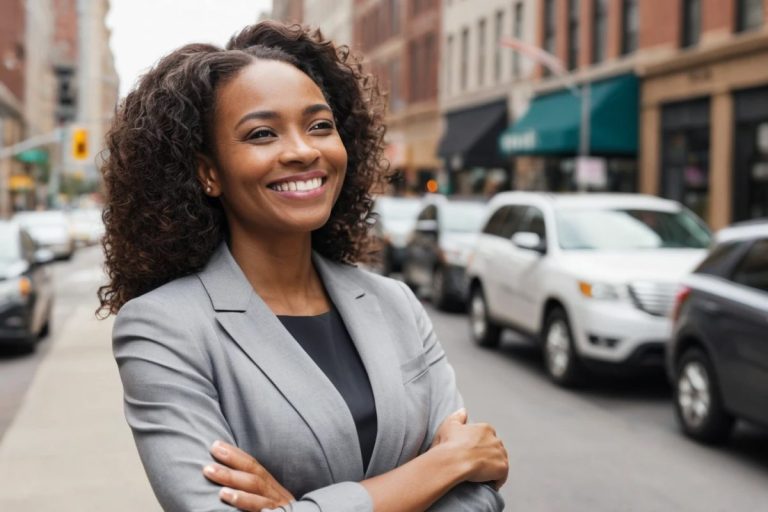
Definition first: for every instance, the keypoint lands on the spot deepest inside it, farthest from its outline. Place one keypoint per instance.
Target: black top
(326, 340)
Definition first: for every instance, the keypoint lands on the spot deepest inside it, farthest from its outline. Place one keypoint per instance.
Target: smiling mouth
(298, 185)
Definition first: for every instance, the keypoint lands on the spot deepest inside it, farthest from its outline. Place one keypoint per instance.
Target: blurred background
(581, 200)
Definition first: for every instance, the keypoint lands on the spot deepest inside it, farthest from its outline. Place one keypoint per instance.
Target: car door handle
(710, 306)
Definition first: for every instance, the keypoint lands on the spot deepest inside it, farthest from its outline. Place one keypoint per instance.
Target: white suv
(593, 276)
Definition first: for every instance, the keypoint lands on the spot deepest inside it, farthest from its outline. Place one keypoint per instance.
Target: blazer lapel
(264, 339)
(373, 339)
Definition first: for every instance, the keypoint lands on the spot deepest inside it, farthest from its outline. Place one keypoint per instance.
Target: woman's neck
(282, 274)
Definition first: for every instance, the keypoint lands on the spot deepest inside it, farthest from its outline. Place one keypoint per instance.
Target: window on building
(394, 16)
(749, 14)
(464, 58)
(629, 26)
(691, 22)
(448, 77)
(573, 34)
(396, 102)
(481, 52)
(415, 78)
(600, 30)
(549, 29)
(497, 47)
(430, 67)
(517, 33)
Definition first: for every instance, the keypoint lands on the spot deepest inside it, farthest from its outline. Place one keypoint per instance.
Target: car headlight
(603, 291)
(15, 289)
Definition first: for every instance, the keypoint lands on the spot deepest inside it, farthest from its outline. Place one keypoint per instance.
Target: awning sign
(512, 142)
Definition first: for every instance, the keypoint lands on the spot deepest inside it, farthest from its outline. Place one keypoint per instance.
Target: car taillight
(680, 298)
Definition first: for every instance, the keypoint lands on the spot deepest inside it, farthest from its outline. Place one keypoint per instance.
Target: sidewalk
(69, 448)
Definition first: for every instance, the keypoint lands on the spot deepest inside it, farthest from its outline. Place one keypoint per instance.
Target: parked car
(396, 217)
(86, 226)
(437, 252)
(49, 229)
(592, 277)
(26, 291)
(718, 357)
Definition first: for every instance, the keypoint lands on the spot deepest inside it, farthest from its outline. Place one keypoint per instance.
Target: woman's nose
(299, 150)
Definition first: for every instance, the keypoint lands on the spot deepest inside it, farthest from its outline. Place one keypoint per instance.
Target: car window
(459, 217)
(752, 271)
(27, 246)
(534, 223)
(428, 213)
(496, 222)
(513, 221)
(629, 229)
(721, 259)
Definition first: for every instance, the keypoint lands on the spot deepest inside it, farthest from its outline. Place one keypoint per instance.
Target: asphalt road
(612, 446)
(75, 282)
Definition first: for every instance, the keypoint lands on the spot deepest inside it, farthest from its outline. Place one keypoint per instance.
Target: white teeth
(298, 186)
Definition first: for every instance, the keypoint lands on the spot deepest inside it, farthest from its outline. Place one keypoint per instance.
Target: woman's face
(280, 162)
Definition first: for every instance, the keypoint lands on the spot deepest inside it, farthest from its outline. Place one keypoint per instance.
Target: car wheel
(484, 331)
(698, 404)
(439, 297)
(560, 357)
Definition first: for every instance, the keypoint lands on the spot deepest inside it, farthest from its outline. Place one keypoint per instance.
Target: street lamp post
(584, 94)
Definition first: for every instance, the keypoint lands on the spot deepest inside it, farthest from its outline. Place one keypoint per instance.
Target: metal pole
(584, 129)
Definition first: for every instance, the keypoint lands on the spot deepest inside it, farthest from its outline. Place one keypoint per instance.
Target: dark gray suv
(718, 357)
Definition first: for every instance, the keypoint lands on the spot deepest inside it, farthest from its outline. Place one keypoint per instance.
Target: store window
(750, 176)
(685, 145)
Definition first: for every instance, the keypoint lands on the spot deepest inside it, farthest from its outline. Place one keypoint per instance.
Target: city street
(613, 446)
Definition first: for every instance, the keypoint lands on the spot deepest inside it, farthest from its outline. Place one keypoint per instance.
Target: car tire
(698, 402)
(561, 359)
(483, 330)
(440, 298)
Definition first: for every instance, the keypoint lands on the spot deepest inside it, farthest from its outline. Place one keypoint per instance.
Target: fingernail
(209, 470)
(218, 449)
(228, 495)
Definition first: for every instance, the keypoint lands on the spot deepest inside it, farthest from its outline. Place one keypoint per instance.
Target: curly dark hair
(159, 223)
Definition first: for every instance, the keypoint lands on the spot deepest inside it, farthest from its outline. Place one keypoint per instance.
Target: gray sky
(145, 30)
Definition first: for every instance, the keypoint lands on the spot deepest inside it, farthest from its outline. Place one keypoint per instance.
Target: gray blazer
(203, 358)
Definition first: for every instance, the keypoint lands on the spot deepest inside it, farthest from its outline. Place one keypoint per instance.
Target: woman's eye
(261, 133)
(323, 125)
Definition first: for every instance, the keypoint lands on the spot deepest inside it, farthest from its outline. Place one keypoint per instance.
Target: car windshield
(462, 217)
(49, 218)
(9, 243)
(398, 208)
(628, 229)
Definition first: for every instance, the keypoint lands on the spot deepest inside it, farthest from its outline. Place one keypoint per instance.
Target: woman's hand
(247, 485)
(477, 445)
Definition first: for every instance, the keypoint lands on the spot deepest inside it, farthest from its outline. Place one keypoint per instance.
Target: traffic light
(80, 144)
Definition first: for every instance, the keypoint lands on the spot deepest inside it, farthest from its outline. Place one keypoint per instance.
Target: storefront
(469, 150)
(704, 129)
(545, 141)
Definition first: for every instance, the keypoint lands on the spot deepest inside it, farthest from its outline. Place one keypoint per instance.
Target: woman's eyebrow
(271, 114)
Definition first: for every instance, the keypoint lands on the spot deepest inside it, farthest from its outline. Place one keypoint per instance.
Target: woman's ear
(207, 175)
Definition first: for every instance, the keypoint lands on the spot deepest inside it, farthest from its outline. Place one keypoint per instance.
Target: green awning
(551, 125)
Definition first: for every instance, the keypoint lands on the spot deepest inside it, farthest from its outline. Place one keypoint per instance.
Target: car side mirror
(529, 241)
(43, 256)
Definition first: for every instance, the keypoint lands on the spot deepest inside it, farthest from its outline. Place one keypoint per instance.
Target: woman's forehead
(268, 85)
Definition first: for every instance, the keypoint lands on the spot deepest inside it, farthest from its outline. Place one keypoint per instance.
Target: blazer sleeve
(171, 404)
(445, 399)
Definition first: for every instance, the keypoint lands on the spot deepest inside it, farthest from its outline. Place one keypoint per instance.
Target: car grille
(656, 299)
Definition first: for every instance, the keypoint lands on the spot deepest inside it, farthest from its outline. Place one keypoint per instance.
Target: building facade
(483, 87)
(705, 107)
(333, 17)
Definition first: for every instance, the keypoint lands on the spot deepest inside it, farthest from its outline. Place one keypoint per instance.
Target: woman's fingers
(244, 473)
(246, 501)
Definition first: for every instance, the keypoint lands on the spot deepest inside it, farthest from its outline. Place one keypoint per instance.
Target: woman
(239, 184)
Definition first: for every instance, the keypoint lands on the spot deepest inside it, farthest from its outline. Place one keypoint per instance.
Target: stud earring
(208, 189)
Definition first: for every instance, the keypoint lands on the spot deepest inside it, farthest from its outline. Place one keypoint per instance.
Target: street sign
(33, 156)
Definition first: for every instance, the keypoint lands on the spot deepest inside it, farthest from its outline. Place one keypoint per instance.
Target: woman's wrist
(450, 459)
